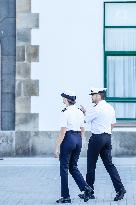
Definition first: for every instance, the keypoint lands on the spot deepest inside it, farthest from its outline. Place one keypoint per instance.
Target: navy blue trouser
(100, 144)
(69, 154)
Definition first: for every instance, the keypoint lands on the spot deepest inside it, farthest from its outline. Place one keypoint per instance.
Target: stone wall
(25, 54)
(35, 143)
(16, 142)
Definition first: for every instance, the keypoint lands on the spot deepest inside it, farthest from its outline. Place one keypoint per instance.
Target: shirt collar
(70, 106)
(101, 102)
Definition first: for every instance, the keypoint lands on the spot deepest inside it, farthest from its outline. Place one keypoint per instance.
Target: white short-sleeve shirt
(72, 118)
(101, 117)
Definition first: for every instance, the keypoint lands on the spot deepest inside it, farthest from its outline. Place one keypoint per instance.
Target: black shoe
(120, 195)
(81, 196)
(88, 193)
(64, 200)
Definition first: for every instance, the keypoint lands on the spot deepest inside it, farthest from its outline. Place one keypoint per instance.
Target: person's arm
(113, 121)
(89, 117)
(59, 140)
(63, 129)
(112, 126)
(82, 131)
(82, 123)
(83, 110)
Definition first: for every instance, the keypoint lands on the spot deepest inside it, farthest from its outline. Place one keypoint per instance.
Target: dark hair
(71, 102)
(102, 94)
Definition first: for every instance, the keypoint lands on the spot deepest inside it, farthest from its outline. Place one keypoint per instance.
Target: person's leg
(64, 166)
(73, 168)
(94, 148)
(110, 167)
(92, 157)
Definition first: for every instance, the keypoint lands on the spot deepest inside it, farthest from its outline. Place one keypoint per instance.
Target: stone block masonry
(25, 54)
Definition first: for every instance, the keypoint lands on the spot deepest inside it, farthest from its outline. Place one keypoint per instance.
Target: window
(120, 57)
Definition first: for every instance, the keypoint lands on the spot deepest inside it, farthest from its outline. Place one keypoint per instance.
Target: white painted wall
(71, 54)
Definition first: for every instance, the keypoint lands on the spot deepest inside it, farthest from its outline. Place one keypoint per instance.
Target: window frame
(116, 53)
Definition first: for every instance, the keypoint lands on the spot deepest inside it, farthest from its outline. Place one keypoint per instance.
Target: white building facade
(47, 46)
(83, 44)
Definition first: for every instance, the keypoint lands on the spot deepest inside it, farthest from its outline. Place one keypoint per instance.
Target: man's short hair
(102, 94)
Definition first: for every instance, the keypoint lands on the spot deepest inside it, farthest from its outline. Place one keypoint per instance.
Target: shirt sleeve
(91, 116)
(63, 120)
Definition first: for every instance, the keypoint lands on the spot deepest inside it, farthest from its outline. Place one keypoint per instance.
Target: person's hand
(82, 109)
(56, 152)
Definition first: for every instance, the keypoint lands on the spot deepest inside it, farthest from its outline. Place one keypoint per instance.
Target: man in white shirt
(102, 119)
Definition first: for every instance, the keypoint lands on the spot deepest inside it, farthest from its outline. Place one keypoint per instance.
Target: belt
(74, 132)
(101, 133)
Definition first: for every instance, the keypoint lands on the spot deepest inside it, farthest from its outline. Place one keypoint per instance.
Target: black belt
(102, 133)
(74, 132)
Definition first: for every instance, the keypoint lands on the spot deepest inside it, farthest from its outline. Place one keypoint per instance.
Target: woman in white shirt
(70, 142)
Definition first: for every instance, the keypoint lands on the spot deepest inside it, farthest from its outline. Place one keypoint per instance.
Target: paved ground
(35, 181)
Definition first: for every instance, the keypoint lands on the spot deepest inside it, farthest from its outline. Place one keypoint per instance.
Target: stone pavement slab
(36, 181)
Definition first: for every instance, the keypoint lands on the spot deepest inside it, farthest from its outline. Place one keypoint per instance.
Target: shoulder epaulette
(64, 110)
